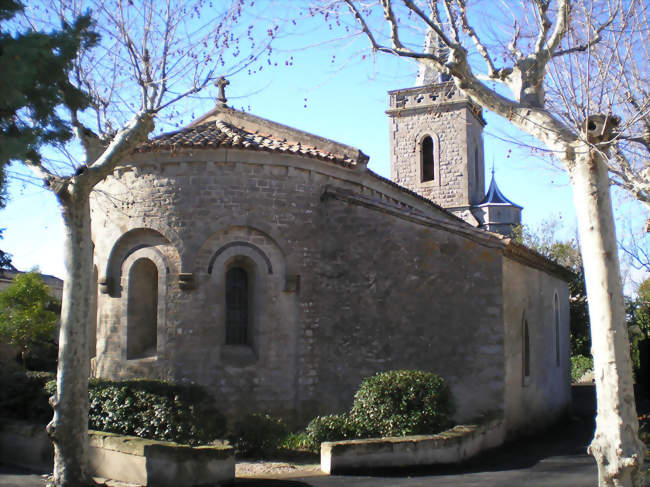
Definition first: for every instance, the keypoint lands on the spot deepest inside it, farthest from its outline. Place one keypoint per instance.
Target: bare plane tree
(152, 56)
(572, 75)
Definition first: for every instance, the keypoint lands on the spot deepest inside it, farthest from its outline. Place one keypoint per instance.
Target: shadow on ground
(267, 483)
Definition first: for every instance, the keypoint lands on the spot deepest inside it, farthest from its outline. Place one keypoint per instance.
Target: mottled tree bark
(69, 426)
(616, 445)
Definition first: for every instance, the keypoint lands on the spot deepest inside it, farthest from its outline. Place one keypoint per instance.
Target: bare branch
(366, 30)
(41, 172)
(400, 51)
(90, 141)
(634, 181)
(452, 20)
(132, 133)
(431, 24)
(392, 22)
(544, 26)
(592, 42)
(512, 46)
(474, 36)
(544, 51)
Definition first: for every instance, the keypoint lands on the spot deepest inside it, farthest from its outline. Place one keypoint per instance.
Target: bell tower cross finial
(221, 83)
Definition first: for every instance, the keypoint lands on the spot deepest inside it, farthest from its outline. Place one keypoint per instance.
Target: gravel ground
(275, 469)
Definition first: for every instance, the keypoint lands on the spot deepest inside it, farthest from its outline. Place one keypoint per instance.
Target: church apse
(287, 271)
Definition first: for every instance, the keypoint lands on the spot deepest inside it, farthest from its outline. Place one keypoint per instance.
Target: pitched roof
(225, 127)
(494, 196)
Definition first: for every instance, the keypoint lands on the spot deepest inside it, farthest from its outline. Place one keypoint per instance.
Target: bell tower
(436, 143)
(436, 139)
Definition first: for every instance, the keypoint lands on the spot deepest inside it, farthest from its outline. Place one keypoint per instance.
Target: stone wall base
(123, 458)
(451, 446)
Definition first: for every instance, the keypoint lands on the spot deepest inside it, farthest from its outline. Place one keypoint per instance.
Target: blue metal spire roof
(494, 196)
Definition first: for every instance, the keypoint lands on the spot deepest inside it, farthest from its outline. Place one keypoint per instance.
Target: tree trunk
(616, 445)
(69, 426)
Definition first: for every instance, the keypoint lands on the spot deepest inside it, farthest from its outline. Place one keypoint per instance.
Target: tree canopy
(26, 312)
(33, 85)
(35, 82)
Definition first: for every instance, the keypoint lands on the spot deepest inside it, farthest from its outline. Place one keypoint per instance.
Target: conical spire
(427, 75)
(495, 212)
(494, 196)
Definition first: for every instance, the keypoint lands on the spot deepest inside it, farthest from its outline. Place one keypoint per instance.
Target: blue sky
(329, 90)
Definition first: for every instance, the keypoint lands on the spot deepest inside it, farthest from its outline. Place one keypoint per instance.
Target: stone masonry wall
(342, 287)
(441, 112)
(545, 395)
(396, 294)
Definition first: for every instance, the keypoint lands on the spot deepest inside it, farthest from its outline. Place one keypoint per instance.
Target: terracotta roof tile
(221, 134)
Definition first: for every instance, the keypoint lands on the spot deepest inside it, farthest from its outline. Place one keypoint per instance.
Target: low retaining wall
(158, 463)
(451, 446)
(26, 445)
(123, 458)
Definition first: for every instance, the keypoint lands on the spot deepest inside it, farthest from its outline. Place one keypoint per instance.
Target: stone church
(272, 266)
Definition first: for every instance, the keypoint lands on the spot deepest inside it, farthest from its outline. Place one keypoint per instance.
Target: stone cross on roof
(221, 83)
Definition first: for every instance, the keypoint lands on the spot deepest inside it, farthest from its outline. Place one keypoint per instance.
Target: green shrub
(156, 410)
(151, 409)
(296, 441)
(257, 433)
(579, 366)
(402, 402)
(28, 320)
(334, 427)
(24, 396)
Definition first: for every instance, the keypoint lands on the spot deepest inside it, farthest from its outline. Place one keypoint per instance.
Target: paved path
(556, 458)
(12, 477)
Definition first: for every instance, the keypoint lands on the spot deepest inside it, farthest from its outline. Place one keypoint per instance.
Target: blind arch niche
(144, 279)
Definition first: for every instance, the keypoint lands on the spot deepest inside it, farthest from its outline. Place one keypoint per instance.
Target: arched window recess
(428, 160)
(525, 351)
(428, 153)
(238, 303)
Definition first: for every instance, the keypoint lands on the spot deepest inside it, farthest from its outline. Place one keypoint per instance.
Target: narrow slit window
(428, 162)
(237, 302)
(142, 310)
(526, 351)
(92, 322)
(477, 175)
(556, 306)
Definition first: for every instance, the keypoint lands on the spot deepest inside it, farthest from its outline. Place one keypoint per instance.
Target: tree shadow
(567, 438)
(265, 483)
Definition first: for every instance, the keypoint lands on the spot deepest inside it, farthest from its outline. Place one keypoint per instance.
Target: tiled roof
(494, 196)
(221, 134)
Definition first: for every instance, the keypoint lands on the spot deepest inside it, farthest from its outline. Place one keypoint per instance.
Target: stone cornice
(529, 257)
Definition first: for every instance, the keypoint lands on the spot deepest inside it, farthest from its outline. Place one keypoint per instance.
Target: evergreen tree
(27, 315)
(35, 81)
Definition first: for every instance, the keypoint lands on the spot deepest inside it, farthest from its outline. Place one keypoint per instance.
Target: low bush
(257, 433)
(334, 427)
(297, 441)
(579, 366)
(150, 409)
(644, 434)
(24, 396)
(156, 410)
(400, 403)
(394, 403)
